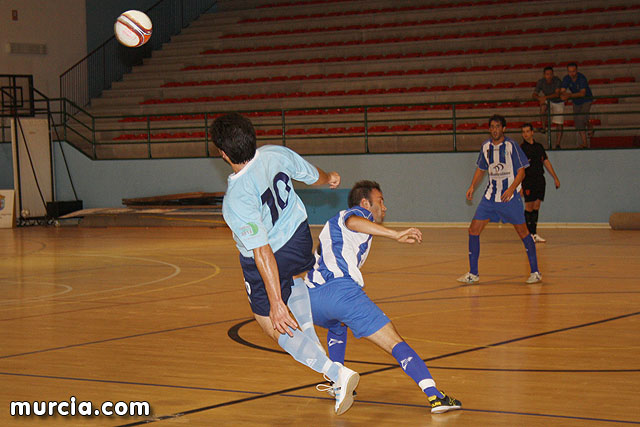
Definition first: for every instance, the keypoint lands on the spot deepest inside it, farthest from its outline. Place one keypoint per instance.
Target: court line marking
(97, 380)
(375, 371)
(65, 291)
(119, 338)
(118, 304)
(507, 295)
(256, 393)
(571, 417)
(176, 271)
(215, 273)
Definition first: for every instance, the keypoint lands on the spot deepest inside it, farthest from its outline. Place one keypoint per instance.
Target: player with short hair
(338, 300)
(269, 225)
(505, 163)
(547, 92)
(533, 184)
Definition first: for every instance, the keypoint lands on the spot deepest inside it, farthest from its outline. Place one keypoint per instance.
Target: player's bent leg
(337, 342)
(305, 351)
(390, 341)
(300, 306)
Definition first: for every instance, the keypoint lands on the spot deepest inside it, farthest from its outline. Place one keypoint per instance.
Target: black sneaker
(444, 404)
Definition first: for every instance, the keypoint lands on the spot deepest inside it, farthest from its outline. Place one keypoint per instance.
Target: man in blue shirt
(505, 162)
(269, 225)
(336, 290)
(575, 87)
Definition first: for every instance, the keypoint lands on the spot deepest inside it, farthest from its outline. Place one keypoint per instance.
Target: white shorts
(557, 111)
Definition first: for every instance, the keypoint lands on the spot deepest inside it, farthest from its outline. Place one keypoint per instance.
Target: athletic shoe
(330, 388)
(538, 239)
(469, 279)
(443, 404)
(344, 387)
(535, 277)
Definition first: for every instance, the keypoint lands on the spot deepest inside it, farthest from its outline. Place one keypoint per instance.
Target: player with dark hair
(505, 162)
(338, 300)
(269, 225)
(533, 184)
(547, 92)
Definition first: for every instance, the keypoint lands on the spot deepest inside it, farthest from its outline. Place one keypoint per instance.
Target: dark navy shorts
(295, 257)
(511, 212)
(342, 300)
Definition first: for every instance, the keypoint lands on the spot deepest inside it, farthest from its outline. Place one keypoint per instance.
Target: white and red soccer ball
(133, 28)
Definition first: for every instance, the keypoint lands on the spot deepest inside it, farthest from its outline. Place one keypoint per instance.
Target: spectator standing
(575, 87)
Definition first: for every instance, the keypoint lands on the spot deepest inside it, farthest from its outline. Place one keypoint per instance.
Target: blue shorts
(295, 257)
(511, 212)
(342, 300)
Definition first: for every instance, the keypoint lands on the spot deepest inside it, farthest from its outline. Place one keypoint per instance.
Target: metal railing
(108, 63)
(443, 127)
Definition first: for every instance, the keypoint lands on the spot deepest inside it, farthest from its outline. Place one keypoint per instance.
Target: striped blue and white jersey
(260, 205)
(342, 251)
(502, 162)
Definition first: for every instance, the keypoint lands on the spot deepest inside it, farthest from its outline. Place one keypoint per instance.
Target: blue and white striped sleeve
(482, 160)
(518, 158)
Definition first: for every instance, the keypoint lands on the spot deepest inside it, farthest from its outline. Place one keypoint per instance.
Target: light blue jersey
(342, 251)
(502, 163)
(260, 205)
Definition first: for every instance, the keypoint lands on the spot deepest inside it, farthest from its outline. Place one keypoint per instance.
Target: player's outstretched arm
(362, 225)
(331, 178)
(477, 176)
(268, 268)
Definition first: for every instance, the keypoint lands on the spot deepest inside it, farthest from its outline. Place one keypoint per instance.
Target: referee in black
(533, 185)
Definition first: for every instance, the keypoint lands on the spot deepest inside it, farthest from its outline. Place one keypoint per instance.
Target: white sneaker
(344, 387)
(535, 277)
(469, 279)
(538, 239)
(330, 388)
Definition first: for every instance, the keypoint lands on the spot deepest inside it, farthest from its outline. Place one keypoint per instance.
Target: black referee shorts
(533, 189)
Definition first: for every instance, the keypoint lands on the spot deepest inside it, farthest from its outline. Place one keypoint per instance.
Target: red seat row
(305, 3)
(417, 71)
(396, 56)
(423, 38)
(372, 26)
(384, 10)
(376, 129)
(299, 3)
(354, 110)
(356, 92)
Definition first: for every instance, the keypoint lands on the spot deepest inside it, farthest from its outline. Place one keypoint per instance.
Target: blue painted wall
(416, 187)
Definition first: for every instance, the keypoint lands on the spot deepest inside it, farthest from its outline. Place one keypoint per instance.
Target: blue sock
(300, 306)
(413, 366)
(307, 352)
(474, 253)
(530, 247)
(337, 343)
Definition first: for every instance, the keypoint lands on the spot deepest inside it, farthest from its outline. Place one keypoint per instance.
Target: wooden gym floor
(161, 315)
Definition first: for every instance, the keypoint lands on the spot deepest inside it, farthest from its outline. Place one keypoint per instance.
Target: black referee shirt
(537, 155)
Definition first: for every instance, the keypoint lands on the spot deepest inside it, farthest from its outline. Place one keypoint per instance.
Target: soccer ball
(133, 28)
